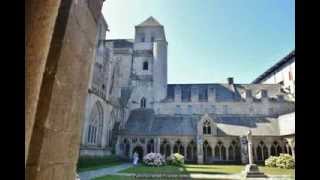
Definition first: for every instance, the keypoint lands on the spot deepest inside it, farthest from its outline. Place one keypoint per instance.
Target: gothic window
(150, 146)
(94, 132)
(143, 102)
(262, 151)
(186, 94)
(232, 151)
(134, 140)
(165, 148)
(145, 66)
(207, 152)
(206, 127)
(170, 92)
(275, 149)
(191, 151)
(220, 151)
(203, 94)
(178, 148)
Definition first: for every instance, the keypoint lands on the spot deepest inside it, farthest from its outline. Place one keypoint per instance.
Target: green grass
(206, 169)
(113, 177)
(93, 163)
(213, 169)
(142, 169)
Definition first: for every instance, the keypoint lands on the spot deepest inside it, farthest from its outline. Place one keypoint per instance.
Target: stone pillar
(227, 153)
(200, 149)
(244, 150)
(158, 143)
(291, 142)
(60, 51)
(39, 27)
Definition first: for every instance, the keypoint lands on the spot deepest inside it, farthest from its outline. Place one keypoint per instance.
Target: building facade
(283, 73)
(138, 111)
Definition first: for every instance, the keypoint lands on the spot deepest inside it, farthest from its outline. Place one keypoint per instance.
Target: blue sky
(210, 40)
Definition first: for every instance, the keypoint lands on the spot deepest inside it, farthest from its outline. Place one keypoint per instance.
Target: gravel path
(88, 175)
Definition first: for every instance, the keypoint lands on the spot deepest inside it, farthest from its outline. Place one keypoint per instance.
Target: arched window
(206, 127)
(275, 149)
(178, 148)
(207, 152)
(165, 148)
(233, 151)
(94, 132)
(143, 102)
(145, 66)
(220, 151)
(192, 152)
(150, 146)
(262, 151)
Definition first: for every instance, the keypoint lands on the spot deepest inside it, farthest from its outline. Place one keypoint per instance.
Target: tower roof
(151, 21)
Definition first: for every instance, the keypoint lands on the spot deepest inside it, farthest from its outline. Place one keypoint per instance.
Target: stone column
(61, 38)
(200, 149)
(291, 142)
(244, 150)
(227, 153)
(158, 143)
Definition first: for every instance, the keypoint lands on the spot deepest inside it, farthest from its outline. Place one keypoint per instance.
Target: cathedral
(130, 107)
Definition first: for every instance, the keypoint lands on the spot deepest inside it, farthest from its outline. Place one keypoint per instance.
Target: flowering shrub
(176, 159)
(283, 161)
(154, 159)
(271, 161)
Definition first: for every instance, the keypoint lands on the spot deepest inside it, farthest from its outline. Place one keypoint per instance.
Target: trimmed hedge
(285, 161)
(176, 159)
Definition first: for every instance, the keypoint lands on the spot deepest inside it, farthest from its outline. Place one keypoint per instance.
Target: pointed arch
(143, 102)
(150, 146)
(207, 152)
(178, 148)
(191, 152)
(95, 125)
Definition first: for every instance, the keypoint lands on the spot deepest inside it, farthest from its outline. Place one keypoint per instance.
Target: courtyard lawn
(112, 177)
(93, 163)
(205, 169)
(143, 169)
(213, 169)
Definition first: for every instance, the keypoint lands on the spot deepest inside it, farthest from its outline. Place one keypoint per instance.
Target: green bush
(271, 161)
(176, 159)
(285, 161)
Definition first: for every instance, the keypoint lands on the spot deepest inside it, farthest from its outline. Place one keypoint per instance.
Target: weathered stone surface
(55, 139)
(40, 19)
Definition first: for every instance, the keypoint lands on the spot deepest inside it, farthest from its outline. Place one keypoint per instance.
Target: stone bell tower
(149, 71)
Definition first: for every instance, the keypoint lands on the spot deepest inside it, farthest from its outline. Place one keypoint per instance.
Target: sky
(211, 40)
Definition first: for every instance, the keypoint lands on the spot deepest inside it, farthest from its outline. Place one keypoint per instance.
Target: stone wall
(59, 79)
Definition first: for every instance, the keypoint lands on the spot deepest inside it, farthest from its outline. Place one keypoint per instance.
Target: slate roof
(151, 21)
(145, 122)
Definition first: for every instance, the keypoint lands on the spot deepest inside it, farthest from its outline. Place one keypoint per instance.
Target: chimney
(230, 80)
